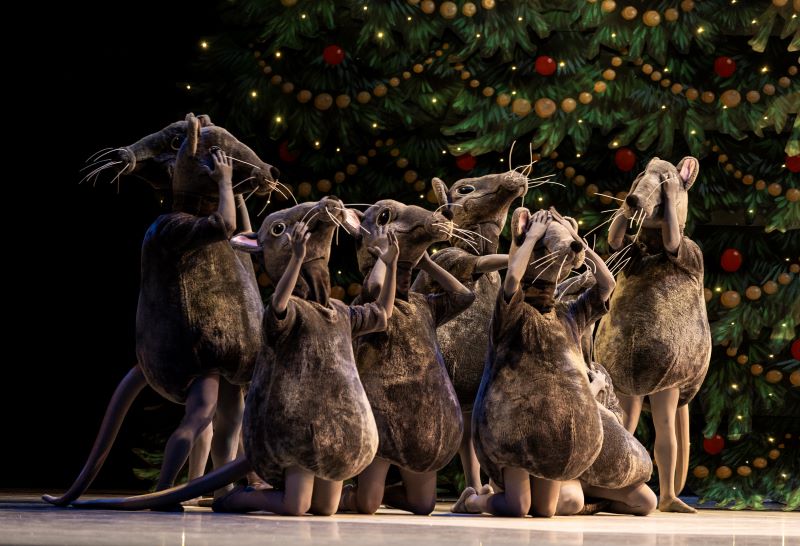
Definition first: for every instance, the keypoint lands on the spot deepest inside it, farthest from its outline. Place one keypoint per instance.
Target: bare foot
(674, 504)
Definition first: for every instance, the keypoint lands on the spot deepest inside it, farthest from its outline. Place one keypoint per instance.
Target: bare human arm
(448, 282)
(491, 262)
(283, 290)
(518, 260)
(605, 280)
(670, 229)
(222, 174)
(616, 233)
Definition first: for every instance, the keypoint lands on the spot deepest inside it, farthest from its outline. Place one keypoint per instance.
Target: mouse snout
(575, 246)
(274, 172)
(632, 200)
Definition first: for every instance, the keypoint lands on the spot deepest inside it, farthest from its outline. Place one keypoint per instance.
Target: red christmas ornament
(333, 55)
(625, 159)
(793, 163)
(714, 445)
(731, 260)
(796, 349)
(724, 67)
(545, 65)
(466, 162)
(287, 155)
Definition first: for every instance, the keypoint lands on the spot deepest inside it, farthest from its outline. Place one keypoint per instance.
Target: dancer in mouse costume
(616, 479)
(535, 414)
(402, 369)
(307, 416)
(198, 333)
(656, 341)
(478, 207)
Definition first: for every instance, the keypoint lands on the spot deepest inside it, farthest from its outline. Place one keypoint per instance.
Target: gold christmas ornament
(774, 376)
(605, 198)
(768, 89)
(687, 5)
(324, 185)
(760, 185)
(756, 369)
(591, 190)
(770, 287)
(793, 195)
(339, 177)
(323, 101)
(744, 470)
(402, 163)
(410, 177)
(337, 292)
(521, 107)
(354, 289)
(671, 15)
(779, 3)
(469, 9)
(569, 172)
(647, 68)
(380, 90)
(700, 472)
(616, 61)
(730, 299)
(774, 189)
(304, 189)
(784, 81)
(406, 75)
(774, 454)
(692, 93)
(288, 3)
(608, 6)
(559, 165)
(723, 473)
(569, 105)
(747, 179)
(419, 185)
(742, 359)
(651, 18)
(752, 293)
(707, 294)
(707, 97)
(394, 82)
(784, 279)
(343, 101)
(488, 91)
(503, 99)
(609, 74)
(753, 96)
(655, 76)
(676, 88)
(731, 351)
(545, 108)
(794, 268)
(465, 75)
(579, 180)
(363, 97)
(303, 96)
(585, 97)
(432, 197)
(487, 4)
(362, 160)
(448, 10)
(351, 169)
(413, 2)
(394, 152)
(287, 87)
(629, 13)
(731, 98)
(794, 378)
(428, 6)
(474, 83)
(417, 68)
(760, 462)
(792, 70)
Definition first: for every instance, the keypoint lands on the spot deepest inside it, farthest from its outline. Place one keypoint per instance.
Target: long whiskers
(92, 157)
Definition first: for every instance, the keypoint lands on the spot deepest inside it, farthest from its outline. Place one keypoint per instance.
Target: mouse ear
(440, 189)
(192, 134)
(519, 224)
(572, 221)
(247, 242)
(352, 221)
(205, 120)
(688, 169)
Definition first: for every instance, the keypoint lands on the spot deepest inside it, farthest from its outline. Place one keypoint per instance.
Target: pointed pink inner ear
(352, 220)
(686, 170)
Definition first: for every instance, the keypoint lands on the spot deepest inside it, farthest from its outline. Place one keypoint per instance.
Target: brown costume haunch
(534, 409)
(657, 334)
(479, 205)
(415, 407)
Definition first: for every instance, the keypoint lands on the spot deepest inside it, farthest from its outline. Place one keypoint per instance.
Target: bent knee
(568, 506)
(423, 507)
(646, 501)
(296, 507)
(368, 505)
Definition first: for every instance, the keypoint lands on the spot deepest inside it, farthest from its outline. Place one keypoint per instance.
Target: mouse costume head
(552, 259)
(416, 229)
(644, 199)
(481, 205)
(272, 241)
(194, 191)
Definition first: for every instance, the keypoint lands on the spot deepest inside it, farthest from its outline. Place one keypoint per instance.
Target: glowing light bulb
(380, 35)
(478, 35)
(278, 54)
(204, 44)
(278, 119)
(562, 64)
(700, 30)
(188, 86)
(434, 100)
(253, 94)
(302, 16)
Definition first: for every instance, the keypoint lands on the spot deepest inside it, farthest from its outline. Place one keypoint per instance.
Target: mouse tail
(124, 395)
(168, 498)
(682, 437)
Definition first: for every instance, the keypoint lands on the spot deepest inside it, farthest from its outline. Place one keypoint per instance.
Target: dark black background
(90, 76)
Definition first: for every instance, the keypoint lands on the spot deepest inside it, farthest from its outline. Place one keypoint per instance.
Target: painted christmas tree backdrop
(371, 99)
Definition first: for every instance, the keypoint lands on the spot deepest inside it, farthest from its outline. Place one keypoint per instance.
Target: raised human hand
(222, 173)
(392, 251)
(537, 225)
(298, 239)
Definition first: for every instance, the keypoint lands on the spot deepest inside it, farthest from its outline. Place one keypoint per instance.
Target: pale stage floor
(26, 521)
